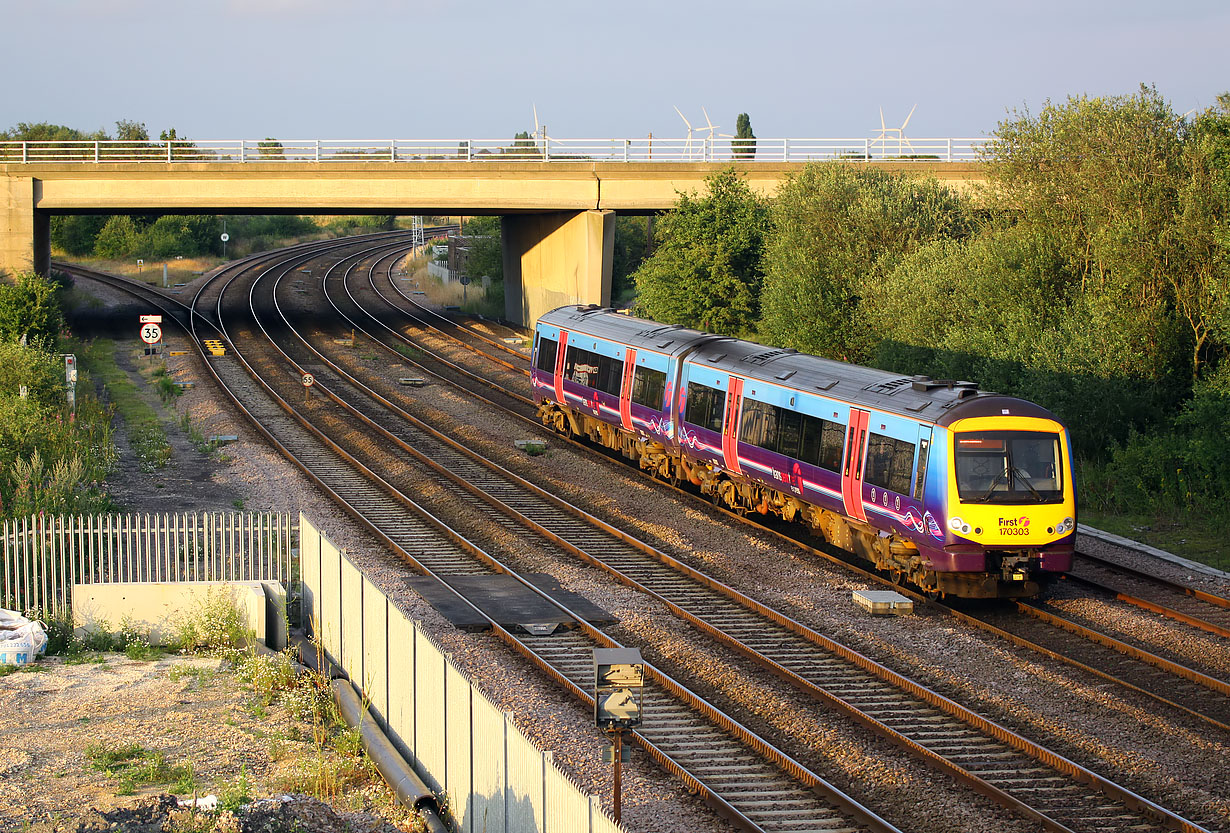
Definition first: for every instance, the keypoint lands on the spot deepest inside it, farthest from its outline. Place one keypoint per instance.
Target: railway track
(719, 617)
(760, 788)
(916, 724)
(1196, 691)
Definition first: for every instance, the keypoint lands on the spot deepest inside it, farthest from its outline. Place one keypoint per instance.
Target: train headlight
(1065, 526)
(958, 525)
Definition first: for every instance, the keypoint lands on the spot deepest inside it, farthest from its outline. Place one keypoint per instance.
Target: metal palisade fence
(459, 742)
(44, 556)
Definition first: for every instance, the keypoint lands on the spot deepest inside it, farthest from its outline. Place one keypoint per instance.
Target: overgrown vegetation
(141, 422)
(1092, 276)
(52, 459)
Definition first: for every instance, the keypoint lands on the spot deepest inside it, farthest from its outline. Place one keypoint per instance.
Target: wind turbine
(540, 133)
(902, 141)
(688, 145)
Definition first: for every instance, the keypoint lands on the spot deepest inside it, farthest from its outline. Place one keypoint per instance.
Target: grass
(134, 767)
(1199, 539)
(32, 668)
(145, 432)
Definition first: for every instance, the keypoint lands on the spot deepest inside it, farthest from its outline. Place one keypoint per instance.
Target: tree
(744, 143)
(76, 234)
(1102, 177)
(131, 131)
(484, 249)
(29, 308)
(837, 228)
(705, 272)
(270, 149)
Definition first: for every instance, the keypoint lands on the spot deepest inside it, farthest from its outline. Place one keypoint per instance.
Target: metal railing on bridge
(715, 150)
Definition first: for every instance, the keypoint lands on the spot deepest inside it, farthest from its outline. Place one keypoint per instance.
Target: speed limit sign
(308, 380)
(151, 333)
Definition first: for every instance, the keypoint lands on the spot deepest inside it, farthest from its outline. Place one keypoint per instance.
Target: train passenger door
(852, 466)
(561, 351)
(730, 426)
(625, 390)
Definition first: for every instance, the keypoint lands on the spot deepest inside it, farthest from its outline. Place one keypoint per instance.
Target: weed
(165, 384)
(198, 676)
(216, 625)
(268, 674)
(237, 793)
(135, 766)
(238, 504)
(196, 437)
(32, 668)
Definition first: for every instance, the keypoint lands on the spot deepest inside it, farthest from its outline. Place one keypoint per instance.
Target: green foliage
(117, 239)
(141, 422)
(50, 461)
(631, 247)
(270, 149)
(705, 272)
(744, 143)
(46, 132)
(837, 230)
(76, 234)
(485, 255)
(134, 766)
(215, 625)
(29, 307)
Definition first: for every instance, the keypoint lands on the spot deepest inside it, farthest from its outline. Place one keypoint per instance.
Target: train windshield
(1017, 467)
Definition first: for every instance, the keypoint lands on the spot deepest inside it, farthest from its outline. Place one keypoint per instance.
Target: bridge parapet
(721, 150)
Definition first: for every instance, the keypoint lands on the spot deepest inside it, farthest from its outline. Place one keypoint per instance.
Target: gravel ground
(1174, 762)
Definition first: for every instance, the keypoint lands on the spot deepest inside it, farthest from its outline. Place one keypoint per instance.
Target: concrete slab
(879, 602)
(507, 602)
(158, 606)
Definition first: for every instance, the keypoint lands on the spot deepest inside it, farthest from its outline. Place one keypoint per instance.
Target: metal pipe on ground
(406, 785)
(397, 773)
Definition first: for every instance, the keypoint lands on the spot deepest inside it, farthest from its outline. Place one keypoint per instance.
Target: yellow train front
(1005, 512)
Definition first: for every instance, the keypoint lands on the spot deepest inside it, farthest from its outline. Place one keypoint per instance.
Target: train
(957, 491)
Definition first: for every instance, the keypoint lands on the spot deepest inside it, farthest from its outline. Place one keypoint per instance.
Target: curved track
(987, 757)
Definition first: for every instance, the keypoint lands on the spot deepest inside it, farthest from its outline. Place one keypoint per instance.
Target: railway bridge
(558, 211)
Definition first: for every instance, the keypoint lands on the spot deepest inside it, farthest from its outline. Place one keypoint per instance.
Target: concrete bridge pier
(25, 233)
(554, 259)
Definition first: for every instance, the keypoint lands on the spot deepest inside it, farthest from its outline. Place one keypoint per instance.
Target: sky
(368, 69)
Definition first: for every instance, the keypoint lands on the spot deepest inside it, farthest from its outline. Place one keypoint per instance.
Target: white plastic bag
(21, 639)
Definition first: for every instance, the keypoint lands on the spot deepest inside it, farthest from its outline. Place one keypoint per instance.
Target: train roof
(627, 329)
(917, 397)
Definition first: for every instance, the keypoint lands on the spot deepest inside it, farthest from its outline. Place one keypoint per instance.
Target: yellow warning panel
(214, 346)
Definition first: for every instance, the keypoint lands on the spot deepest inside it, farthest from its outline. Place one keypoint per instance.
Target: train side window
(705, 406)
(648, 387)
(547, 349)
(594, 370)
(757, 419)
(921, 479)
(789, 427)
(821, 443)
(890, 463)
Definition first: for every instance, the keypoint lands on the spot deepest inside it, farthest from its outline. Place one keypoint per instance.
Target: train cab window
(821, 444)
(706, 406)
(1019, 467)
(594, 370)
(890, 463)
(649, 387)
(545, 360)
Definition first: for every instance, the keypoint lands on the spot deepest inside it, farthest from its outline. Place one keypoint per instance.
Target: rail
(704, 150)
